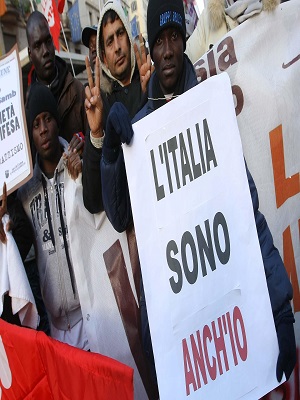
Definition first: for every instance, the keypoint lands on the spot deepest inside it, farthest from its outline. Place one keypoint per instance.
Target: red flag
(34, 366)
(2, 7)
(51, 13)
(60, 6)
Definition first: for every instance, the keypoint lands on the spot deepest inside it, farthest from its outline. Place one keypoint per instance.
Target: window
(133, 6)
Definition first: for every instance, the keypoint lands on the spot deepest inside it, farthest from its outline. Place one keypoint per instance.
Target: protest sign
(15, 157)
(200, 257)
(262, 59)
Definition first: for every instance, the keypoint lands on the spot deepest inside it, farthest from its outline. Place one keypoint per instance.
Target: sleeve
(115, 192)
(196, 43)
(83, 112)
(91, 177)
(279, 285)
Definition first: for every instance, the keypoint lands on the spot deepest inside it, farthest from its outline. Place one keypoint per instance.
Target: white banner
(15, 158)
(262, 59)
(200, 257)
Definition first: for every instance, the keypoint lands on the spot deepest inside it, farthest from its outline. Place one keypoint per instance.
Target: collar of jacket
(108, 85)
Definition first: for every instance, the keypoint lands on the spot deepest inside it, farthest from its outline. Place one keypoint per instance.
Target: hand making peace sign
(93, 101)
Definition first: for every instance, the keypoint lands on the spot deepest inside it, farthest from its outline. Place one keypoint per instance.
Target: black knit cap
(163, 14)
(40, 100)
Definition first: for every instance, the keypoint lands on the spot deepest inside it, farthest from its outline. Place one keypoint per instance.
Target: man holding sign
(174, 74)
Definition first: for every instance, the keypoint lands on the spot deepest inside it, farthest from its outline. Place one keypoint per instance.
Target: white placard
(208, 305)
(15, 158)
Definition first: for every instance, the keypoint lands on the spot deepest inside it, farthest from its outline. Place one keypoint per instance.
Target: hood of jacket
(107, 79)
(216, 9)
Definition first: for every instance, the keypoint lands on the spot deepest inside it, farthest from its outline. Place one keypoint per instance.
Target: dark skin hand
(73, 162)
(76, 145)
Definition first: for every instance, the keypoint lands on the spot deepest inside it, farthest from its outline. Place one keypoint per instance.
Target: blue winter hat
(162, 14)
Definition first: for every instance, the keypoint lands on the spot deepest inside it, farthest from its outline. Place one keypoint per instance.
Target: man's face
(45, 136)
(116, 52)
(168, 58)
(93, 50)
(41, 51)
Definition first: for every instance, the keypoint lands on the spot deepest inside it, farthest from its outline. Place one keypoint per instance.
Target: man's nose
(43, 127)
(45, 49)
(168, 49)
(116, 43)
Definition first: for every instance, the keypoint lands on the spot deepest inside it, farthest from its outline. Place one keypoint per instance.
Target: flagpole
(71, 62)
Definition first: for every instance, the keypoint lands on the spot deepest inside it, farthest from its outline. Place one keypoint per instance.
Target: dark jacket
(70, 96)
(117, 205)
(130, 96)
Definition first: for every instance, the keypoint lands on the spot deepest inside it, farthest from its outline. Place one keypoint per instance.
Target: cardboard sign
(15, 157)
(200, 257)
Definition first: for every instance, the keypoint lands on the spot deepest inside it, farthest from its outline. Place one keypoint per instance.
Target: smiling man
(52, 71)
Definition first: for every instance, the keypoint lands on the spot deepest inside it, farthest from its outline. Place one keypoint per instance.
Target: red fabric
(60, 6)
(3, 8)
(34, 366)
(29, 76)
(51, 13)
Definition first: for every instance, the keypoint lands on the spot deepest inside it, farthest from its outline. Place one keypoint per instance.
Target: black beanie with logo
(40, 100)
(162, 14)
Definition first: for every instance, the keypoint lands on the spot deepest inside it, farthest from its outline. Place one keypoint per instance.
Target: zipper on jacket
(64, 234)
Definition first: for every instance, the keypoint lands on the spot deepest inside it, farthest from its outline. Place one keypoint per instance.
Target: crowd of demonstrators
(174, 74)
(121, 80)
(51, 71)
(220, 17)
(128, 90)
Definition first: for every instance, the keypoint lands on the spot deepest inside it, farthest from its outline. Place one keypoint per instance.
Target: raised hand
(144, 63)
(93, 101)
